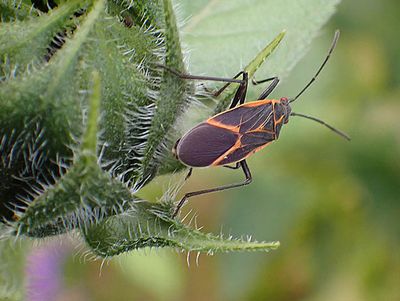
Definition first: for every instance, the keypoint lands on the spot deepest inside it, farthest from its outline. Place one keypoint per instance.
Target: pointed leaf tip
(90, 137)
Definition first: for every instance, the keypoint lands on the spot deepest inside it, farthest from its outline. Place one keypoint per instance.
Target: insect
(230, 137)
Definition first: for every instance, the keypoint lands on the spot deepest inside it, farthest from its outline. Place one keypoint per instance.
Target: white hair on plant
(29, 147)
(138, 118)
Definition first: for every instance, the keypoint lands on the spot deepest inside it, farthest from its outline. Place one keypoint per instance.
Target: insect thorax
(282, 112)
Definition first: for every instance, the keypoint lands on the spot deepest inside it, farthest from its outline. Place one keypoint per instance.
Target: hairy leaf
(25, 44)
(149, 227)
(223, 35)
(88, 114)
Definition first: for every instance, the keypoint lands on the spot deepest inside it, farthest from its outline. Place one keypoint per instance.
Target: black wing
(245, 118)
(204, 144)
(249, 144)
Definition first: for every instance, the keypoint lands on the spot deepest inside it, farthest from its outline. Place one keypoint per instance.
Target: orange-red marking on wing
(229, 151)
(236, 129)
(233, 128)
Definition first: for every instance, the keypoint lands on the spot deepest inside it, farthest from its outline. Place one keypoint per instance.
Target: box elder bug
(245, 128)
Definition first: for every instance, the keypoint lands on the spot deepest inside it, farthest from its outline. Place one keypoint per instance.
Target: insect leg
(222, 89)
(240, 94)
(189, 173)
(232, 167)
(200, 77)
(247, 181)
(257, 82)
(270, 88)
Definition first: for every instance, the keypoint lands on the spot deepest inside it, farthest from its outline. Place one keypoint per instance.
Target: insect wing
(249, 144)
(246, 117)
(204, 144)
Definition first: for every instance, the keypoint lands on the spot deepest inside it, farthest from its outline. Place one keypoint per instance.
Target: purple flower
(44, 272)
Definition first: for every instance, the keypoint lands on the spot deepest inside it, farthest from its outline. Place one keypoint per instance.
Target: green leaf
(150, 227)
(85, 128)
(78, 190)
(24, 43)
(175, 98)
(222, 35)
(225, 98)
(142, 12)
(11, 10)
(84, 194)
(89, 143)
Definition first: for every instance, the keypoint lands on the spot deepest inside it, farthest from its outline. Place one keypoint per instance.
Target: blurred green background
(333, 205)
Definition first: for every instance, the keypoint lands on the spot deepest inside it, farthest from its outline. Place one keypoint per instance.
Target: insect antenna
(340, 133)
(335, 39)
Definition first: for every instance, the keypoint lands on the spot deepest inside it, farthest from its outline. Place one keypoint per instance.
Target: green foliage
(225, 35)
(24, 44)
(11, 10)
(88, 117)
(148, 226)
